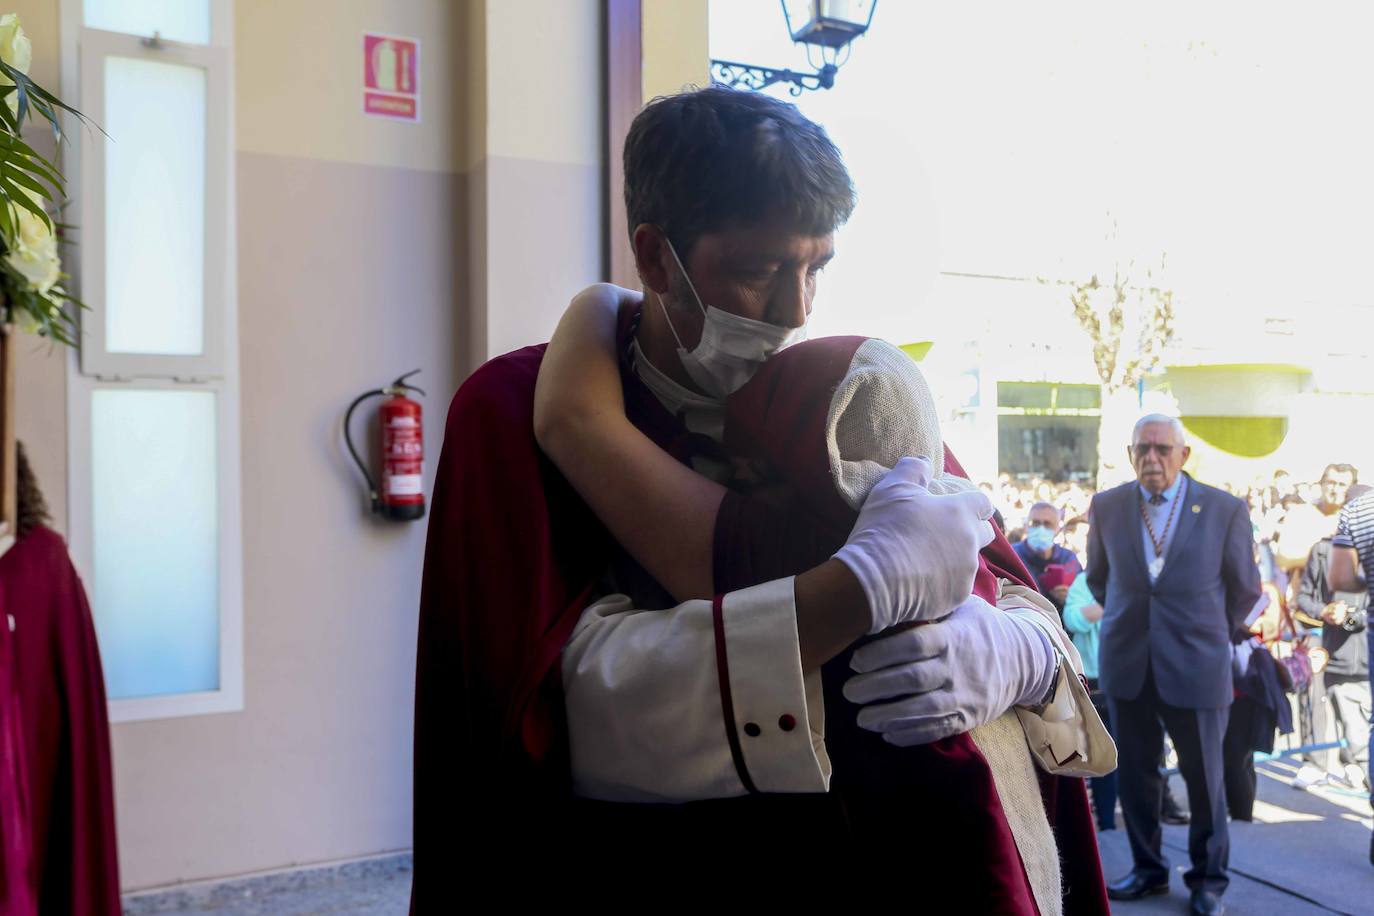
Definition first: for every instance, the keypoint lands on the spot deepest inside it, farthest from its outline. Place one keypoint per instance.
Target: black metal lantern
(826, 27)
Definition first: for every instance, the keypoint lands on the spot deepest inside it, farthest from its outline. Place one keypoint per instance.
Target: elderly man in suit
(1171, 561)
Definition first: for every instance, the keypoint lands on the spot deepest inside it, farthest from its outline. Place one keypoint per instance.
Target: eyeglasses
(1143, 448)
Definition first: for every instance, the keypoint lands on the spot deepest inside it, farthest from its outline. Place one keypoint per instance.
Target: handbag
(1297, 664)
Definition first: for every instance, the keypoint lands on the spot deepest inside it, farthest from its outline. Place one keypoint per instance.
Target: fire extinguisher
(402, 494)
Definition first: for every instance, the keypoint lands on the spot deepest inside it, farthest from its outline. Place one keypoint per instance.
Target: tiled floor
(375, 887)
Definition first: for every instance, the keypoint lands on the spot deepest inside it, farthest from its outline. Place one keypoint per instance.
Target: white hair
(1180, 434)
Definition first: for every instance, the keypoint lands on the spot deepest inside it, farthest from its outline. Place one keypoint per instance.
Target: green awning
(1244, 437)
(917, 351)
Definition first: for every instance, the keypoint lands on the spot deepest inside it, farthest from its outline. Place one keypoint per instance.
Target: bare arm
(663, 512)
(1345, 574)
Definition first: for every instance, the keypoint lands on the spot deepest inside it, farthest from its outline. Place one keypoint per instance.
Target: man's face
(1335, 486)
(765, 273)
(1157, 456)
(1043, 517)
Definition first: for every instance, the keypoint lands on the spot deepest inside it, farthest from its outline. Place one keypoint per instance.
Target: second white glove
(941, 679)
(916, 553)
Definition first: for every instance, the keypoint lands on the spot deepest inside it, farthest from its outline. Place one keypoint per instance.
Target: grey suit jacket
(1181, 628)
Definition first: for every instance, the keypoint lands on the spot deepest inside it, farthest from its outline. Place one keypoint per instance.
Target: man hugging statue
(696, 592)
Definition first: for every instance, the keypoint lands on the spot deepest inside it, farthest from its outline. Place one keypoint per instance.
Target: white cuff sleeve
(1066, 736)
(704, 700)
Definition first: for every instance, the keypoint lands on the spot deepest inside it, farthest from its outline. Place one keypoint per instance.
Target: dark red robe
(18, 896)
(65, 727)
(513, 559)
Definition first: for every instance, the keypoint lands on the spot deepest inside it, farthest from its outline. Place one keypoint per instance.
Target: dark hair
(710, 159)
(1343, 468)
(33, 508)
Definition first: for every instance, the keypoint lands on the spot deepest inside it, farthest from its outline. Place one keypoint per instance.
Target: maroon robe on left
(65, 729)
(17, 896)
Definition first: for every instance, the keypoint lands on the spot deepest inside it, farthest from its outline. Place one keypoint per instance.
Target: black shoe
(1172, 813)
(1206, 903)
(1133, 887)
(1106, 825)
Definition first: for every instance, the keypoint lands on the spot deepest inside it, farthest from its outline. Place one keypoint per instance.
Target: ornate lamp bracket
(747, 76)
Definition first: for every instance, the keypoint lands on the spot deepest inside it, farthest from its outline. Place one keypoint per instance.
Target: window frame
(216, 370)
(95, 47)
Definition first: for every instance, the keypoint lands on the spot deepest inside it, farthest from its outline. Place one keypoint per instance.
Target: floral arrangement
(31, 292)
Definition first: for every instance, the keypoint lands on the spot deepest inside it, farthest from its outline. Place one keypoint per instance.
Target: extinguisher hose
(348, 440)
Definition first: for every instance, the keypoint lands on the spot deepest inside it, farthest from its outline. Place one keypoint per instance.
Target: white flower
(15, 47)
(33, 251)
(27, 323)
(15, 50)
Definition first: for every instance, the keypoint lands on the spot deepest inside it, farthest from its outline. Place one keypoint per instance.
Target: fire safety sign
(391, 77)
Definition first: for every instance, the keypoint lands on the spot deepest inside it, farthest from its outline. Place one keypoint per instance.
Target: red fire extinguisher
(402, 494)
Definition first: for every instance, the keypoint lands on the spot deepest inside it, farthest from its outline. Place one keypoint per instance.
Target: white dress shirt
(645, 696)
(708, 699)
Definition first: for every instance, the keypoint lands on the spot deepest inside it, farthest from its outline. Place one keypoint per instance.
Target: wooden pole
(624, 98)
(9, 462)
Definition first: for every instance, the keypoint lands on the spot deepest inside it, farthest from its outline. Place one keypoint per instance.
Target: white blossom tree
(1130, 324)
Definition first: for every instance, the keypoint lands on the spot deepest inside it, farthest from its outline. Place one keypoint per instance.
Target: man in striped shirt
(1352, 564)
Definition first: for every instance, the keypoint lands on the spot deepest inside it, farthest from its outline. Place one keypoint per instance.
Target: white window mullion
(113, 225)
(169, 373)
(169, 687)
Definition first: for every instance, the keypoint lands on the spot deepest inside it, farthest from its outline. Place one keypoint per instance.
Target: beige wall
(675, 41)
(366, 248)
(536, 216)
(347, 279)
(350, 259)
(41, 370)
(298, 81)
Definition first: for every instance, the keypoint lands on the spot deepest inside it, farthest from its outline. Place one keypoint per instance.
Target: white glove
(916, 553)
(951, 676)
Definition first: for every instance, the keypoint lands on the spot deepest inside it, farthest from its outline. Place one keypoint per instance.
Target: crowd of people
(1311, 680)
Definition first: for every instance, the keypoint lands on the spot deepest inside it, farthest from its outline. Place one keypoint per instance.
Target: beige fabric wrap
(882, 411)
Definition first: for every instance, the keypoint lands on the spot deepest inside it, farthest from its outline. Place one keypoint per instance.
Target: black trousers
(1103, 787)
(1238, 752)
(1197, 734)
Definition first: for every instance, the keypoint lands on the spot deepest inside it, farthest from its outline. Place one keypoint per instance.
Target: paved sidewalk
(372, 887)
(1306, 852)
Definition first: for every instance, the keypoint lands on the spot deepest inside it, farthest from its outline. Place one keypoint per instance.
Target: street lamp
(827, 26)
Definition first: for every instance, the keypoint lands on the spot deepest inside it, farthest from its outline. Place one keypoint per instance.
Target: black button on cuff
(787, 722)
(752, 729)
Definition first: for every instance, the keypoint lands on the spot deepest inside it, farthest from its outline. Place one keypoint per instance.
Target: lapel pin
(1196, 508)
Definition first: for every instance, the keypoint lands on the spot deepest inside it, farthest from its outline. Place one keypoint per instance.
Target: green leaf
(17, 196)
(7, 116)
(19, 176)
(28, 89)
(24, 156)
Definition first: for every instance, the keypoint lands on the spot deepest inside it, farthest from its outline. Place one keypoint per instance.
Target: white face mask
(731, 348)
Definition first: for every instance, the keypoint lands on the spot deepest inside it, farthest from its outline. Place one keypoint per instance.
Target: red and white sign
(391, 77)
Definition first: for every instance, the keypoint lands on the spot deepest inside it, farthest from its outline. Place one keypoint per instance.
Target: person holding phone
(1053, 565)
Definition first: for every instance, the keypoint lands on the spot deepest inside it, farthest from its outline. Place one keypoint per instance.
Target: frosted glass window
(154, 208)
(156, 543)
(175, 20)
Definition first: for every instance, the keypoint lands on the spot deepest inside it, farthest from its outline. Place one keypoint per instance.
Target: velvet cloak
(512, 560)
